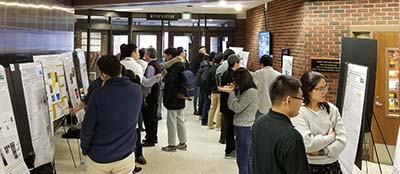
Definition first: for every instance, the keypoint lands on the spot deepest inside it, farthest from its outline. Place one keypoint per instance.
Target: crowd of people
(270, 123)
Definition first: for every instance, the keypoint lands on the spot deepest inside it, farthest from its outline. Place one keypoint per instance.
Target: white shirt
(133, 65)
(263, 78)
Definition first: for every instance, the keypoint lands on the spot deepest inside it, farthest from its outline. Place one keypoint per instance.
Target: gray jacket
(245, 107)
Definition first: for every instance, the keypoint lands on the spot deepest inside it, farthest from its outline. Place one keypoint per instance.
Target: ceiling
(231, 7)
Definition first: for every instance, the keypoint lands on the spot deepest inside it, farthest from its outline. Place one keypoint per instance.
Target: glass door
(148, 39)
(185, 40)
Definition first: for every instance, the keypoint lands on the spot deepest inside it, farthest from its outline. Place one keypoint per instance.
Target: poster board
(287, 65)
(10, 148)
(83, 73)
(244, 55)
(352, 113)
(237, 50)
(37, 112)
(53, 74)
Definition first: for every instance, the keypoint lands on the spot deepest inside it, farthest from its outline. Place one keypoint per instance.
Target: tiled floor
(204, 154)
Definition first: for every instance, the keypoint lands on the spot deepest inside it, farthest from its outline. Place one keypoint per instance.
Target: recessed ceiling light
(129, 9)
(238, 7)
(222, 3)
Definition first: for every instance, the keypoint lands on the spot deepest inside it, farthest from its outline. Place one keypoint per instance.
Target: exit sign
(186, 15)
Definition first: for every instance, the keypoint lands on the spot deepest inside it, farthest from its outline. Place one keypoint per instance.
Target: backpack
(187, 83)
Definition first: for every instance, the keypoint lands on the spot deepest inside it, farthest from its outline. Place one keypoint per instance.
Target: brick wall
(255, 23)
(240, 36)
(313, 29)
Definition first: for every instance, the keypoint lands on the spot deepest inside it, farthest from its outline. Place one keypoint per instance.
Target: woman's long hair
(243, 80)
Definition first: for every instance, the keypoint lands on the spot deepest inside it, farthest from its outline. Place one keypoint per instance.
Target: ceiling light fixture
(129, 9)
(222, 3)
(238, 7)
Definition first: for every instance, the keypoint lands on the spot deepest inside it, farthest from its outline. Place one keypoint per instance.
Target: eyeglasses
(322, 88)
(298, 98)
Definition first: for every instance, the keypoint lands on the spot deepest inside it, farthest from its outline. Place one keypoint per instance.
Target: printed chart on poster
(287, 65)
(38, 112)
(352, 113)
(10, 149)
(396, 163)
(53, 73)
(245, 58)
(72, 85)
(83, 70)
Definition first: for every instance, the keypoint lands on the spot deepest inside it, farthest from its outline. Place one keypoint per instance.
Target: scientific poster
(287, 65)
(38, 112)
(83, 70)
(244, 55)
(352, 113)
(12, 160)
(237, 50)
(396, 163)
(53, 73)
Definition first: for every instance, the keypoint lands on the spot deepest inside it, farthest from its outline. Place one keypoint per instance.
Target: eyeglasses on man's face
(298, 98)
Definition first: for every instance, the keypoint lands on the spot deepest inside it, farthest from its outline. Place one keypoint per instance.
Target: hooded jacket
(174, 68)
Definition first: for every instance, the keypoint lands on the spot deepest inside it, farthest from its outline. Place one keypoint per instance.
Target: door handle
(378, 103)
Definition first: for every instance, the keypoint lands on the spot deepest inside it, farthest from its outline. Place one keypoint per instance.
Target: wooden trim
(372, 28)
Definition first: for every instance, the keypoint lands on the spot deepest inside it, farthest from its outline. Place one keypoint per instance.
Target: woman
(243, 101)
(321, 126)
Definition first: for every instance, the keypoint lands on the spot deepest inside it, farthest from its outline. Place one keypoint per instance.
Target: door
(387, 88)
(216, 42)
(147, 40)
(188, 40)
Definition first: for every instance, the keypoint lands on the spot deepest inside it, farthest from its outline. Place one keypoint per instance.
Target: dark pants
(243, 144)
(139, 148)
(333, 168)
(206, 108)
(230, 133)
(224, 126)
(150, 122)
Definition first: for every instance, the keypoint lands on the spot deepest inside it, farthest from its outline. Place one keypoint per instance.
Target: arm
(313, 143)
(340, 141)
(149, 82)
(236, 104)
(88, 125)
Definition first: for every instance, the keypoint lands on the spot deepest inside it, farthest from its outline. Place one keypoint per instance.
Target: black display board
(361, 52)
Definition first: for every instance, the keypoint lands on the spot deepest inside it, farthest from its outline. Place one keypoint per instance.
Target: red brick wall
(255, 23)
(313, 29)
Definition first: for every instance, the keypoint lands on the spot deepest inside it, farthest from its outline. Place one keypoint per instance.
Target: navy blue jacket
(109, 128)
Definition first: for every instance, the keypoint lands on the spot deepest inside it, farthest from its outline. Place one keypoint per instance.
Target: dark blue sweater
(109, 128)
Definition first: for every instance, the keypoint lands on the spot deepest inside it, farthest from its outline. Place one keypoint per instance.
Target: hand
(332, 132)
(226, 89)
(158, 76)
(313, 153)
(209, 96)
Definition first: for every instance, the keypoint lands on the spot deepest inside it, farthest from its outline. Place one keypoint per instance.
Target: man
(151, 95)
(108, 130)
(277, 148)
(263, 78)
(214, 93)
(227, 114)
(173, 103)
(195, 66)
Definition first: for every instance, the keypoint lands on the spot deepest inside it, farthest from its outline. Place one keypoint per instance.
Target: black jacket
(195, 63)
(172, 80)
(226, 80)
(212, 81)
(277, 148)
(153, 96)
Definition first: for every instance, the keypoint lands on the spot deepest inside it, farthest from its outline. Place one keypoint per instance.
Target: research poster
(396, 163)
(287, 65)
(53, 74)
(41, 126)
(245, 58)
(12, 160)
(83, 70)
(352, 113)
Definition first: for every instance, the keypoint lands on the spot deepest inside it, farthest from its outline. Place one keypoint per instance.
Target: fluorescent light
(222, 3)
(129, 9)
(40, 6)
(209, 6)
(238, 7)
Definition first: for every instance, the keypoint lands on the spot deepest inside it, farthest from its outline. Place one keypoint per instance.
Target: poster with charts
(287, 65)
(396, 163)
(244, 55)
(53, 74)
(12, 160)
(352, 113)
(83, 71)
(38, 112)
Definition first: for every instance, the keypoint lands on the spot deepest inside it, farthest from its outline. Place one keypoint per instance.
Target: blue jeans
(206, 108)
(243, 144)
(196, 98)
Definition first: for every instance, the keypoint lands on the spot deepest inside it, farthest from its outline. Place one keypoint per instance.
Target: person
(321, 126)
(201, 81)
(195, 66)
(277, 147)
(227, 113)
(263, 79)
(141, 60)
(108, 138)
(182, 54)
(151, 95)
(243, 101)
(215, 95)
(121, 50)
(173, 103)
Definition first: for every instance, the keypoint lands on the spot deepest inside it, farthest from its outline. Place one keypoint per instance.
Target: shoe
(221, 141)
(197, 113)
(146, 144)
(145, 141)
(230, 155)
(210, 128)
(169, 148)
(141, 160)
(182, 146)
(137, 169)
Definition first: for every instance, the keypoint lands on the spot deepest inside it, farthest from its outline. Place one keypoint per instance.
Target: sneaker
(146, 144)
(230, 155)
(182, 146)
(169, 148)
(137, 169)
(141, 160)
